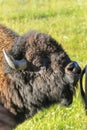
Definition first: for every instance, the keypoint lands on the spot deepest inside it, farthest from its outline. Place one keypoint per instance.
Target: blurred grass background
(66, 21)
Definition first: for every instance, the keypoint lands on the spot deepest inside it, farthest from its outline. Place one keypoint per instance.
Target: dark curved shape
(84, 93)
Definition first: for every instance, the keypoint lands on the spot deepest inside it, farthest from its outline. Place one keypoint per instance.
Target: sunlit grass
(58, 118)
(66, 21)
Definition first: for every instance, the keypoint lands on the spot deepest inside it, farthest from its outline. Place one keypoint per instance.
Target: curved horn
(84, 94)
(15, 64)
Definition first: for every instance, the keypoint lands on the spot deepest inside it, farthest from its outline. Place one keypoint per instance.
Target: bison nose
(73, 68)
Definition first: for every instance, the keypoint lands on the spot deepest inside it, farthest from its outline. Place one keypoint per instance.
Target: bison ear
(15, 64)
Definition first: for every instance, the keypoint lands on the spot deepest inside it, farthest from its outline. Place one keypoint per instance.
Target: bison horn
(84, 93)
(15, 64)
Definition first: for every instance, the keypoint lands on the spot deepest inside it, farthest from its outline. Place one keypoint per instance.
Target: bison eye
(44, 59)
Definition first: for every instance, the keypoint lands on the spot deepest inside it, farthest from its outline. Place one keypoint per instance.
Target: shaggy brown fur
(7, 39)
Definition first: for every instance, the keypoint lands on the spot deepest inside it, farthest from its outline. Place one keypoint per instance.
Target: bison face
(68, 75)
(40, 73)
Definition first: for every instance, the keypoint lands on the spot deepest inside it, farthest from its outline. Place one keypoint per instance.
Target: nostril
(73, 67)
(70, 67)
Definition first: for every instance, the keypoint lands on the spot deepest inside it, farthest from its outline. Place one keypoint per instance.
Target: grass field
(66, 21)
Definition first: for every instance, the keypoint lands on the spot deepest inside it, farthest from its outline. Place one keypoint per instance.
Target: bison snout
(73, 68)
(72, 73)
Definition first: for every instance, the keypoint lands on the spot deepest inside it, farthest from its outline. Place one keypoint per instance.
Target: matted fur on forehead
(34, 45)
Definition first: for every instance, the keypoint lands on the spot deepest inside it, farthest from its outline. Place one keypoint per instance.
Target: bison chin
(72, 75)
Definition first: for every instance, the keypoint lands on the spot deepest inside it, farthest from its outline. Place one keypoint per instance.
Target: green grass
(58, 118)
(66, 21)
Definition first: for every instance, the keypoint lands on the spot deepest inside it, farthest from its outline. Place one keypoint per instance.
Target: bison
(37, 72)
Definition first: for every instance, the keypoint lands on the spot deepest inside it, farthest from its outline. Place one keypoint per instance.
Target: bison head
(39, 73)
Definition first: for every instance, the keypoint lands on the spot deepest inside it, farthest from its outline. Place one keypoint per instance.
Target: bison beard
(49, 77)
